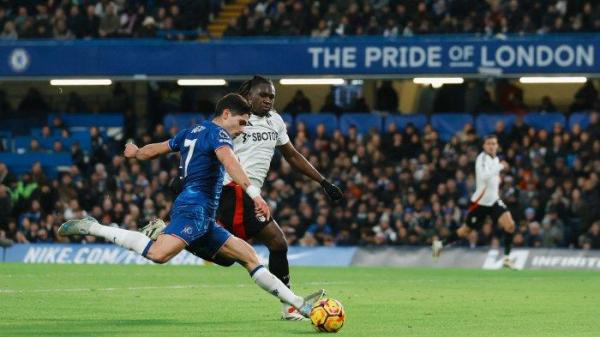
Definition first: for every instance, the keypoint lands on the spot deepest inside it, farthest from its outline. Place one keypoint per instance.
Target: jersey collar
(268, 114)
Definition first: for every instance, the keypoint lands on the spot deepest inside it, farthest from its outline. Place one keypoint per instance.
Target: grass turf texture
(212, 301)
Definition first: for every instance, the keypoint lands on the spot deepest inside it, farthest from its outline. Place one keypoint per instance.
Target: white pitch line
(176, 286)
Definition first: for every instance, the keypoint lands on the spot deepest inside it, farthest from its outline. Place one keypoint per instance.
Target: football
(327, 315)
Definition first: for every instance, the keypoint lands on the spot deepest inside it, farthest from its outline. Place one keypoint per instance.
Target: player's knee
(278, 244)
(510, 227)
(158, 257)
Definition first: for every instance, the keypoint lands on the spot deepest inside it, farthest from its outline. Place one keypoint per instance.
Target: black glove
(333, 192)
(176, 185)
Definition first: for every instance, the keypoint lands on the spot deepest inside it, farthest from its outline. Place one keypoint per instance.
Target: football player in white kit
(254, 148)
(485, 201)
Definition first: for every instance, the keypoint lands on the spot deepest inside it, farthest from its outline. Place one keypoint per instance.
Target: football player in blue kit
(206, 153)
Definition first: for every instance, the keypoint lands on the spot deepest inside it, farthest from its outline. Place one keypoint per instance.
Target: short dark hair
(237, 104)
(490, 136)
(251, 83)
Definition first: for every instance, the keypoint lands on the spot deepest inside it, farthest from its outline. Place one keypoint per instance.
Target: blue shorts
(190, 224)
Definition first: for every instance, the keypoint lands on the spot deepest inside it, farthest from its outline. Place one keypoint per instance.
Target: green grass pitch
(103, 300)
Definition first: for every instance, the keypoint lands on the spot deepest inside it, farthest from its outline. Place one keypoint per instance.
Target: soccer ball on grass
(327, 315)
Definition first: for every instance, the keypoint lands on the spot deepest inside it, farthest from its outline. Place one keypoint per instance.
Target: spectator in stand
(309, 18)
(344, 18)
(591, 239)
(547, 105)
(320, 231)
(109, 21)
(61, 32)
(9, 32)
(299, 104)
(322, 30)
(6, 205)
(329, 106)
(76, 22)
(148, 29)
(91, 23)
(386, 98)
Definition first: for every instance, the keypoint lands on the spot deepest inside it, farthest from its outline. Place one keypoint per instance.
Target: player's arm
(486, 168)
(147, 152)
(238, 175)
(298, 162)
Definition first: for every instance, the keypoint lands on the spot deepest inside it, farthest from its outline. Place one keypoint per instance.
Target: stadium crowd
(402, 187)
(180, 20)
(406, 18)
(87, 19)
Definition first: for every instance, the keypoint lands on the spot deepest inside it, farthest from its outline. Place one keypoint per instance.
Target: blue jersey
(202, 171)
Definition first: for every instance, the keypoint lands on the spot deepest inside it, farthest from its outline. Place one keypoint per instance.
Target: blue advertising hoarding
(112, 254)
(524, 258)
(402, 56)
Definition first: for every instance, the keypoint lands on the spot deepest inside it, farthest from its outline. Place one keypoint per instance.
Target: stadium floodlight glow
(437, 82)
(201, 82)
(553, 79)
(80, 81)
(312, 81)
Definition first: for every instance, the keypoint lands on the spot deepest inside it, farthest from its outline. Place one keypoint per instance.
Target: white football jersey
(487, 176)
(256, 146)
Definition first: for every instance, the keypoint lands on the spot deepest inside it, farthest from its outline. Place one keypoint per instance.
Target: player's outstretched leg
(508, 225)
(240, 251)
(272, 236)
(161, 251)
(438, 245)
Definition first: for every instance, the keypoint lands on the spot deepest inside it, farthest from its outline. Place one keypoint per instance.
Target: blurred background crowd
(402, 187)
(189, 19)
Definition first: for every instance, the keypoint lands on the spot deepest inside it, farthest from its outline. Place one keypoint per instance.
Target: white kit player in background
(485, 202)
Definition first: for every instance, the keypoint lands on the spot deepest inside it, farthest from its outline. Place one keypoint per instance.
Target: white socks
(131, 240)
(274, 286)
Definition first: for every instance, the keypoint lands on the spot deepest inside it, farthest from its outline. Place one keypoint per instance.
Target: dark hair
(490, 136)
(237, 104)
(251, 83)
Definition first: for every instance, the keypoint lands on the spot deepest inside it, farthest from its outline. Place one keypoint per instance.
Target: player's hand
(261, 208)
(333, 192)
(130, 150)
(505, 165)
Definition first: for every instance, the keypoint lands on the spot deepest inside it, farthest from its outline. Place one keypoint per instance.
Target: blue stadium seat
(581, 118)
(182, 120)
(364, 122)
(22, 143)
(418, 120)
(83, 137)
(37, 133)
(545, 121)
(448, 124)
(83, 119)
(288, 119)
(313, 120)
(20, 125)
(51, 163)
(486, 124)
